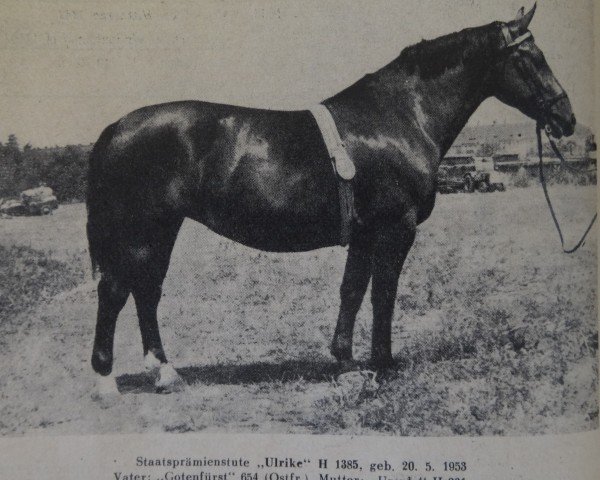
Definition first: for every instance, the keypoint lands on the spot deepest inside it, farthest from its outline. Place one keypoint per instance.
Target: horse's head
(523, 79)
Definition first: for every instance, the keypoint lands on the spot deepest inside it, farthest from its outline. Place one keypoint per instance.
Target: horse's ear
(523, 21)
(520, 14)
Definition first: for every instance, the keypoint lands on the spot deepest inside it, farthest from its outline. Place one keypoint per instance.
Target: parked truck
(467, 174)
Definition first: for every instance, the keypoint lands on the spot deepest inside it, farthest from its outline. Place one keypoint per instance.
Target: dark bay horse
(264, 178)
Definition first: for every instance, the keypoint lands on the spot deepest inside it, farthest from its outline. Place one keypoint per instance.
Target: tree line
(63, 169)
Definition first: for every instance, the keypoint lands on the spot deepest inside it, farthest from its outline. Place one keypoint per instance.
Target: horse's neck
(438, 106)
(447, 102)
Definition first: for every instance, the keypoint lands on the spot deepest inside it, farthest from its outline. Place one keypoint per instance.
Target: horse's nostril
(573, 120)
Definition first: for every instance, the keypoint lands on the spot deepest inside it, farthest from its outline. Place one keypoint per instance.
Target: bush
(554, 175)
(566, 177)
(63, 169)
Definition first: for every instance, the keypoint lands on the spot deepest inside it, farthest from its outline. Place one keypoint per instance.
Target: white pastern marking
(151, 362)
(106, 385)
(168, 378)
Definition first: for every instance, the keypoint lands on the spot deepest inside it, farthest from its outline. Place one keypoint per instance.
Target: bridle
(544, 105)
(535, 85)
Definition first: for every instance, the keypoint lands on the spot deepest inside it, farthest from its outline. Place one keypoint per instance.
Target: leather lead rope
(545, 188)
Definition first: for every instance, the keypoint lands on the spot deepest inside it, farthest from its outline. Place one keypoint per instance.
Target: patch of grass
(495, 394)
(481, 373)
(28, 276)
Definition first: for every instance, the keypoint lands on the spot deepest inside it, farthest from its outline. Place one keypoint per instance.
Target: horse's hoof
(169, 380)
(106, 392)
(383, 365)
(347, 365)
(340, 351)
(388, 374)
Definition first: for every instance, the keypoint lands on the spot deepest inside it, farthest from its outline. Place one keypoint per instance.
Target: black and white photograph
(327, 218)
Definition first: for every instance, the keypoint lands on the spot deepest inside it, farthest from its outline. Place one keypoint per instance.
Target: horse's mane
(433, 57)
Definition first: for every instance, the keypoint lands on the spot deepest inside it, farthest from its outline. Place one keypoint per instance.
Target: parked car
(35, 201)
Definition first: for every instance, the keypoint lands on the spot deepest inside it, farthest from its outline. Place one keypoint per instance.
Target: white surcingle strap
(337, 151)
(342, 166)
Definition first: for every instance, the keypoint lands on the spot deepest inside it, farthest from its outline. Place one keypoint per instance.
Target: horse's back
(159, 134)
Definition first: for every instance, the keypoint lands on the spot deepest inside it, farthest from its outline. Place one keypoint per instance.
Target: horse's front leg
(354, 284)
(392, 243)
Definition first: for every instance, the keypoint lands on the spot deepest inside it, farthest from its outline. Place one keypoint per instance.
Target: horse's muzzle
(559, 129)
(561, 120)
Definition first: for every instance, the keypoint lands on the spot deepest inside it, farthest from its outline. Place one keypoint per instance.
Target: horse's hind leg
(112, 295)
(354, 284)
(150, 261)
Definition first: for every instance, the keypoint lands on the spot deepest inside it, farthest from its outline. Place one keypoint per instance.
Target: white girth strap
(343, 168)
(342, 163)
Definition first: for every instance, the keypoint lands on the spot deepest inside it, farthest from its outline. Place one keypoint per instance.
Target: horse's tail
(100, 224)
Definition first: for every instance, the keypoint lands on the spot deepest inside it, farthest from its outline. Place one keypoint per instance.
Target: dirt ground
(494, 330)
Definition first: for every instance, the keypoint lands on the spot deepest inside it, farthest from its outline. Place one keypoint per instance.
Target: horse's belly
(279, 216)
(271, 232)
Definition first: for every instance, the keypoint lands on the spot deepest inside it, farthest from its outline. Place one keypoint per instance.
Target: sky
(69, 68)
